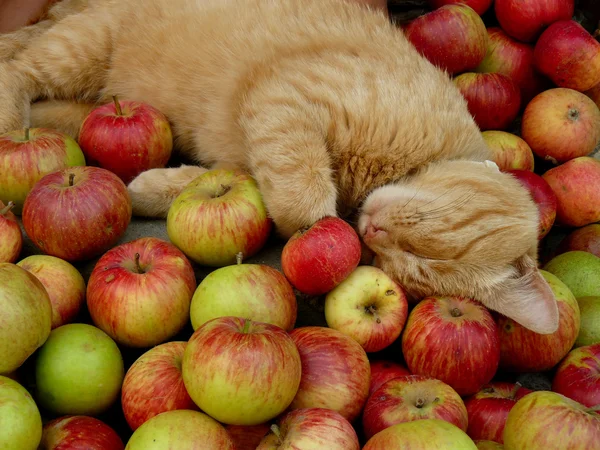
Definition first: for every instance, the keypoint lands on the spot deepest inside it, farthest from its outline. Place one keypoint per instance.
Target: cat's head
(462, 228)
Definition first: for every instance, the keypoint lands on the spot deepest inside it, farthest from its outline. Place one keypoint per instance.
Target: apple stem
(7, 208)
(276, 432)
(595, 409)
(373, 311)
(514, 391)
(71, 179)
(117, 105)
(26, 134)
(138, 268)
(246, 326)
(455, 312)
(238, 258)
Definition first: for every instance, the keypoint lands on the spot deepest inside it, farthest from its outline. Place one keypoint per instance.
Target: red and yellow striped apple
(79, 432)
(385, 370)
(247, 437)
(578, 376)
(480, 6)
(510, 151)
(11, 237)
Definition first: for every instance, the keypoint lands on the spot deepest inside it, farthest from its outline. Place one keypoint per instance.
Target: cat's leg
(61, 115)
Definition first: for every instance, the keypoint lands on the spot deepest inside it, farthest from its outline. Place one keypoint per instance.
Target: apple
(585, 239)
(493, 99)
(579, 271)
(480, 6)
(369, 307)
(79, 432)
(523, 350)
(568, 55)
(574, 183)
(488, 445)
(335, 371)
(425, 434)
(578, 376)
(63, 283)
(318, 258)
(543, 196)
(154, 384)
(452, 37)
(561, 124)
(594, 94)
(589, 330)
(127, 138)
(28, 155)
(412, 397)
(20, 417)
(78, 371)
(254, 291)
(510, 151)
(139, 293)
(11, 237)
(382, 371)
(542, 420)
(311, 428)
(26, 316)
(218, 215)
(77, 214)
(452, 339)
(247, 437)
(234, 361)
(488, 409)
(181, 429)
(526, 19)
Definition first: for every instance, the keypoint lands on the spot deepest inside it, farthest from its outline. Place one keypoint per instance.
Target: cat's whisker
(442, 211)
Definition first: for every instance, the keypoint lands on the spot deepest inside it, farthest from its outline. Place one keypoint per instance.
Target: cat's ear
(526, 298)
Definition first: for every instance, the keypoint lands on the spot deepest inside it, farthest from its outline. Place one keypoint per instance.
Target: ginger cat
(325, 103)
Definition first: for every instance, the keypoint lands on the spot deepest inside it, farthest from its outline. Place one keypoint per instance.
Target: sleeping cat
(326, 104)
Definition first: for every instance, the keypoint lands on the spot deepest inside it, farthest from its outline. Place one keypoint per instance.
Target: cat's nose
(372, 231)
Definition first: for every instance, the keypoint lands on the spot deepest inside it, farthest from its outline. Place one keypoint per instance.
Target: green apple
(589, 330)
(78, 371)
(580, 271)
(20, 420)
(26, 316)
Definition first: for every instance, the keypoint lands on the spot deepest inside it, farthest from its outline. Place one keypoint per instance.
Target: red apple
(561, 124)
(578, 375)
(526, 19)
(154, 384)
(79, 432)
(584, 239)
(382, 371)
(247, 437)
(453, 37)
(454, 340)
(523, 350)
(11, 237)
(488, 409)
(139, 293)
(318, 258)
(594, 94)
(568, 55)
(77, 214)
(543, 196)
(480, 6)
(335, 371)
(493, 99)
(311, 428)
(510, 151)
(412, 397)
(127, 138)
(252, 365)
(575, 184)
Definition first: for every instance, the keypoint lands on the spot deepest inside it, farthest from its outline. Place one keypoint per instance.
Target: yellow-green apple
(247, 437)
(545, 419)
(510, 151)
(493, 99)
(561, 124)
(218, 215)
(526, 19)
(384, 370)
(412, 397)
(488, 409)
(578, 376)
(543, 196)
(11, 237)
(126, 137)
(27, 155)
(480, 6)
(589, 330)
(254, 291)
(181, 429)
(580, 271)
(234, 361)
(335, 371)
(77, 214)
(574, 184)
(523, 350)
(154, 384)
(585, 239)
(79, 432)
(452, 37)
(139, 293)
(63, 282)
(311, 429)
(78, 371)
(425, 434)
(488, 445)
(452, 339)
(568, 55)
(20, 417)
(594, 94)
(26, 316)
(318, 258)
(368, 306)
